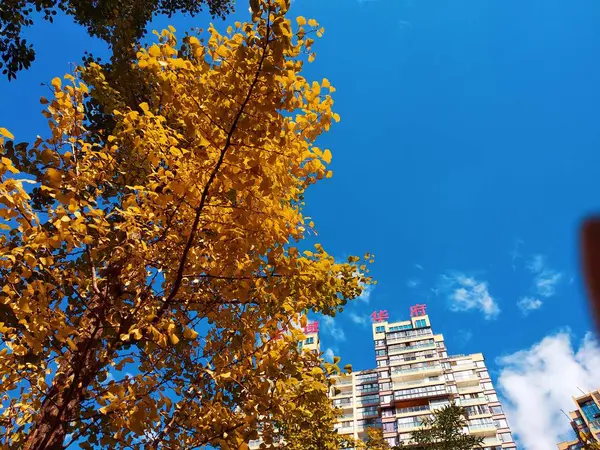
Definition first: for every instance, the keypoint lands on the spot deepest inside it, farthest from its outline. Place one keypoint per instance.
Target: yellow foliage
(147, 274)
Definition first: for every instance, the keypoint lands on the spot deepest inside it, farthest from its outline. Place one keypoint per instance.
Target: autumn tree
(120, 23)
(374, 441)
(444, 431)
(153, 280)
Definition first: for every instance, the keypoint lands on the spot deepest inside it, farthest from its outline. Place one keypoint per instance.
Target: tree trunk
(76, 372)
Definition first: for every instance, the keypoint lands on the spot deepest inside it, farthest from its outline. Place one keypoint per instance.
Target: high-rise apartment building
(415, 376)
(585, 421)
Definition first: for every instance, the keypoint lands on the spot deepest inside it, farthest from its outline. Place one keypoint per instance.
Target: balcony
(470, 380)
(470, 389)
(471, 401)
(413, 409)
(411, 348)
(408, 336)
(485, 429)
(435, 393)
(370, 379)
(417, 382)
(343, 381)
(431, 369)
(345, 430)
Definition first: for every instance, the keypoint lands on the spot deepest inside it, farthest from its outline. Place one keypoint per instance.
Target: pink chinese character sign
(312, 327)
(380, 316)
(418, 310)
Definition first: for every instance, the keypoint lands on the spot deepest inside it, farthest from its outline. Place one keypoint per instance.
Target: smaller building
(585, 421)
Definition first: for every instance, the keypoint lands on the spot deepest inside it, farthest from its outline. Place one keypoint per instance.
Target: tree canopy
(153, 278)
(120, 23)
(444, 431)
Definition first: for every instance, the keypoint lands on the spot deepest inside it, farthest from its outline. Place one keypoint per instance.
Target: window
(369, 411)
(479, 364)
(368, 399)
(501, 423)
(484, 374)
(382, 363)
(386, 398)
(388, 412)
(310, 340)
(492, 397)
(300, 344)
(401, 327)
(391, 441)
(505, 437)
(496, 409)
(381, 352)
(487, 385)
(373, 387)
(385, 386)
(383, 374)
(389, 426)
(421, 323)
(477, 410)
(420, 392)
(380, 329)
(379, 342)
(590, 410)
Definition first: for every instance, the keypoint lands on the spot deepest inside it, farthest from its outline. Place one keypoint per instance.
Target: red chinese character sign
(312, 327)
(418, 310)
(380, 316)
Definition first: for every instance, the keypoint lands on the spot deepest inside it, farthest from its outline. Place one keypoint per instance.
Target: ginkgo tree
(148, 270)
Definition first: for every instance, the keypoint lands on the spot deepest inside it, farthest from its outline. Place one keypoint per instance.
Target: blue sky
(466, 157)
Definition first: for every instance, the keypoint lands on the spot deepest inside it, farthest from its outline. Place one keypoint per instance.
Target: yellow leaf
(56, 82)
(188, 333)
(174, 339)
(313, 23)
(71, 344)
(327, 156)
(6, 133)
(300, 20)
(54, 176)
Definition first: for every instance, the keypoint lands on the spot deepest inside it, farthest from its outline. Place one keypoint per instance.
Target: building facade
(585, 421)
(414, 376)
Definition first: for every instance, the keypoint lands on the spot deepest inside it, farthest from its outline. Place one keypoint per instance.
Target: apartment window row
(368, 411)
(374, 387)
(368, 399)
(477, 410)
(342, 401)
(413, 356)
(368, 422)
(420, 365)
(416, 392)
(406, 334)
(412, 344)
(410, 422)
(400, 328)
(366, 377)
(480, 423)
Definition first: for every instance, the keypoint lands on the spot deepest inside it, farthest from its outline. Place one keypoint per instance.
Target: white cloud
(331, 328)
(366, 293)
(413, 282)
(356, 318)
(329, 354)
(467, 293)
(538, 382)
(528, 304)
(419, 266)
(546, 279)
